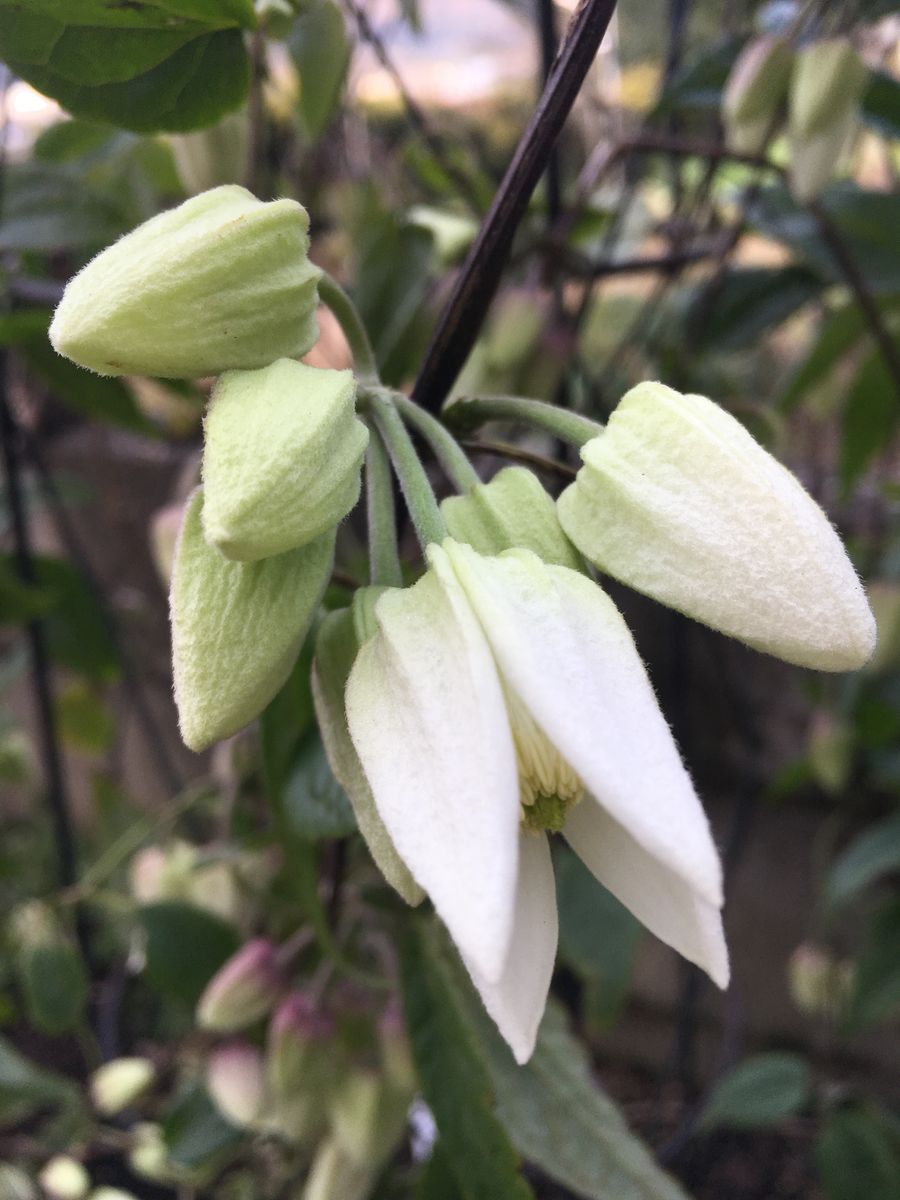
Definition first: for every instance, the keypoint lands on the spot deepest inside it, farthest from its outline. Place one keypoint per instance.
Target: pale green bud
(885, 599)
(111, 1193)
(819, 984)
(283, 457)
(677, 500)
(512, 510)
(236, 1082)
(243, 990)
(826, 88)
(276, 16)
(830, 751)
(368, 1116)
(164, 526)
(222, 281)
(337, 644)
(755, 92)
(336, 1176)
(15, 1184)
(237, 628)
(302, 1062)
(211, 157)
(149, 1157)
(64, 1178)
(117, 1084)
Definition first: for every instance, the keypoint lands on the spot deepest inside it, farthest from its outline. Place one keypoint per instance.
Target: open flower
(500, 699)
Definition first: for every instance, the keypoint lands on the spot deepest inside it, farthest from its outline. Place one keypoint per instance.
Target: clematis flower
(501, 699)
(677, 500)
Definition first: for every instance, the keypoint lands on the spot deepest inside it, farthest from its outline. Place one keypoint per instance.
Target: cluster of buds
(178, 870)
(818, 87)
(222, 285)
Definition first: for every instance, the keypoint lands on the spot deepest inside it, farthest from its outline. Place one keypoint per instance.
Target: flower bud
(236, 1083)
(826, 87)
(756, 89)
(111, 1193)
(300, 1066)
(512, 510)
(368, 1116)
(211, 157)
(220, 282)
(819, 984)
(117, 1084)
(149, 1156)
(677, 500)
(334, 1175)
(830, 751)
(164, 526)
(237, 628)
(243, 990)
(283, 457)
(64, 1178)
(336, 648)
(15, 1184)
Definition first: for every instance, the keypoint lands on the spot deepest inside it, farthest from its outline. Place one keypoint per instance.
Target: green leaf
(54, 986)
(284, 725)
(315, 805)
(560, 1120)
(194, 87)
(20, 602)
(49, 207)
(840, 330)
(453, 1076)
(144, 14)
(761, 1090)
(318, 45)
(871, 418)
(751, 301)
(876, 986)
(869, 857)
(185, 947)
(25, 1087)
(598, 936)
(856, 1156)
(85, 719)
(437, 1181)
(699, 84)
(881, 104)
(195, 1131)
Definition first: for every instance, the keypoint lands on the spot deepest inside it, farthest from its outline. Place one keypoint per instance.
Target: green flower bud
(368, 1116)
(64, 1178)
(243, 990)
(826, 87)
(149, 1157)
(677, 500)
(756, 89)
(237, 628)
(337, 644)
(117, 1084)
(283, 457)
(336, 1176)
(111, 1193)
(820, 985)
(15, 1184)
(236, 1083)
(220, 282)
(512, 510)
(301, 1065)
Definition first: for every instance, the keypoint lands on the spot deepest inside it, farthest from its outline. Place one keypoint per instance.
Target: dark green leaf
(453, 1076)
(857, 1157)
(19, 602)
(54, 986)
(699, 84)
(762, 1090)
(318, 44)
(85, 720)
(872, 855)
(49, 206)
(871, 418)
(315, 805)
(750, 301)
(876, 985)
(24, 1086)
(437, 1181)
(144, 14)
(598, 936)
(194, 1130)
(881, 104)
(185, 947)
(840, 330)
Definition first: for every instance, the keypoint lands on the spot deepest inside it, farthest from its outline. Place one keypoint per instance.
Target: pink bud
(243, 990)
(235, 1081)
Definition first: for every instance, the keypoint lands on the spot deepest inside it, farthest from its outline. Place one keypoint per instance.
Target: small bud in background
(111, 1193)
(336, 1176)
(395, 1053)
(826, 89)
(164, 526)
(296, 427)
(830, 749)
(162, 872)
(221, 282)
(819, 984)
(117, 1084)
(214, 156)
(884, 596)
(64, 1178)
(276, 16)
(149, 1156)
(235, 1080)
(175, 407)
(513, 509)
(243, 990)
(755, 93)
(15, 1184)
(237, 628)
(302, 1063)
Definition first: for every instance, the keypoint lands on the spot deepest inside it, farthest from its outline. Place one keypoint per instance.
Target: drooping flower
(502, 698)
(677, 500)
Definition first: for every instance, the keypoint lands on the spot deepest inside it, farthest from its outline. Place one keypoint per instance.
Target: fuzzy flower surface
(502, 699)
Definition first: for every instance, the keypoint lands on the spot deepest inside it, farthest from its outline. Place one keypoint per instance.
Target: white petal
(427, 716)
(564, 649)
(517, 1000)
(659, 898)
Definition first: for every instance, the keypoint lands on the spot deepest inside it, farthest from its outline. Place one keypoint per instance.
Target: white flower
(502, 697)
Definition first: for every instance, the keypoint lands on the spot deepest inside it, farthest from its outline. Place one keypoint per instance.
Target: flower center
(548, 787)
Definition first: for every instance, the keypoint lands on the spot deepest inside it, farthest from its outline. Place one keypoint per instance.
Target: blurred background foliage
(131, 871)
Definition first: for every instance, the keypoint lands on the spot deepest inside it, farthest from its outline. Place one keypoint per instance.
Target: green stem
(417, 491)
(447, 450)
(384, 554)
(345, 312)
(468, 413)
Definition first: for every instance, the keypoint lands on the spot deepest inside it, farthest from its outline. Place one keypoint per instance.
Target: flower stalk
(468, 413)
(417, 491)
(345, 313)
(453, 459)
(381, 516)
